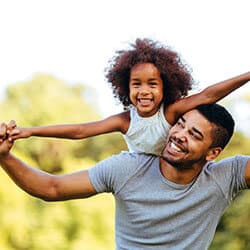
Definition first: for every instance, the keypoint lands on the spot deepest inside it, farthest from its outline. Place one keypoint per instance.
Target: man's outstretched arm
(41, 184)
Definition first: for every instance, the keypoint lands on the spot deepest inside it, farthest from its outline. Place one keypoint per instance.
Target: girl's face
(145, 88)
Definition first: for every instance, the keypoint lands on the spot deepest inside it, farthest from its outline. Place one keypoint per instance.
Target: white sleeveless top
(147, 134)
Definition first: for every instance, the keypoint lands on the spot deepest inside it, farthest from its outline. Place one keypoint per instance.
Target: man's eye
(195, 136)
(192, 134)
(179, 124)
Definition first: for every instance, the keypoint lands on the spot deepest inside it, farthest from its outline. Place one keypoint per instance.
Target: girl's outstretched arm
(115, 123)
(209, 95)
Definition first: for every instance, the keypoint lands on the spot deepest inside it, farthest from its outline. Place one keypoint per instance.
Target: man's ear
(213, 153)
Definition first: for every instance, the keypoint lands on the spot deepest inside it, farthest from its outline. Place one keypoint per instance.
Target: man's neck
(180, 175)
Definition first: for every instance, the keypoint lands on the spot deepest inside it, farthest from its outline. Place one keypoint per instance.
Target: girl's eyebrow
(153, 79)
(137, 79)
(134, 78)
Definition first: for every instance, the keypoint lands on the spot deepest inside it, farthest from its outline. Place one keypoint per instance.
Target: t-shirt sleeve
(111, 174)
(230, 175)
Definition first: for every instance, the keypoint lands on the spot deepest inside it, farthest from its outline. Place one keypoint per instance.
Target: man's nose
(181, 136)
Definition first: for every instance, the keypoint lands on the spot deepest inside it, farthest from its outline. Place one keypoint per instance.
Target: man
(170, 202)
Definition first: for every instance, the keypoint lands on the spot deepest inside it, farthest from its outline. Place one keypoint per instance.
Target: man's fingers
(3, 131)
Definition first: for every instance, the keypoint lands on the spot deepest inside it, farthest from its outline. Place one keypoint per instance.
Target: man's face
(189, 141)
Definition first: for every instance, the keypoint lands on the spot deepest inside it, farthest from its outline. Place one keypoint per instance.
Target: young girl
(152, 83)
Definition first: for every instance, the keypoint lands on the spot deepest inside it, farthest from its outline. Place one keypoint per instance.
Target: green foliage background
(28, 223)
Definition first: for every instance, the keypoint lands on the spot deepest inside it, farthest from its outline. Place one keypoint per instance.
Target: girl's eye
(135, 84)
(153, 84)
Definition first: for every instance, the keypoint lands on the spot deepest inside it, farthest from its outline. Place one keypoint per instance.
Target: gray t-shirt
(154, 213)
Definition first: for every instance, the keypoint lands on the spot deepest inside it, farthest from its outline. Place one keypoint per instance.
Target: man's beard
(175, 164)
(180, 165)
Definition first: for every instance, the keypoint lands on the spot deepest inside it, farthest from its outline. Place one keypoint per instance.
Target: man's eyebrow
(193, 128)
(183, 119)
(198, 132)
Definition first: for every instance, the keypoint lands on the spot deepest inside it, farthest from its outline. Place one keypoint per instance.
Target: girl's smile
(145, 89)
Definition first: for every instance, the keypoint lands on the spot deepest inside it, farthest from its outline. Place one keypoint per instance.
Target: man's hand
(5, 143)
(5, 147)
(3, 131)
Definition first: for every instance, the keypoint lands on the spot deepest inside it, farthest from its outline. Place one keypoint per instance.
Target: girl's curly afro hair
(176, 76)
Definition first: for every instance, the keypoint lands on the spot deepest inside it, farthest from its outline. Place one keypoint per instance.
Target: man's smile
(174, 146)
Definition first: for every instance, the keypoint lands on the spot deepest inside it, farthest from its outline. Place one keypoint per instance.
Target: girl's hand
(18, 133)
(13, 132)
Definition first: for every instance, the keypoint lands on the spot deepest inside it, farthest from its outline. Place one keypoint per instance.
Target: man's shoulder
(129, 158)
(112, 174)
(229, 161)
(126, 161)
(134, 155)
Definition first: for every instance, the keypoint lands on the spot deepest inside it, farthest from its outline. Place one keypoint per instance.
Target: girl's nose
(144, 90)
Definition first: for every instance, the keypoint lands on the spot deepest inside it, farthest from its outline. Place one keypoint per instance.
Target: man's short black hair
(223, 120)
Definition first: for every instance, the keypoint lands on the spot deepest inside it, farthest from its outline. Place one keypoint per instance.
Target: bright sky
(74, 39)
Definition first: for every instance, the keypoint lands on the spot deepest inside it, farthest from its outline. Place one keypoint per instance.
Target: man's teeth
(173, 146)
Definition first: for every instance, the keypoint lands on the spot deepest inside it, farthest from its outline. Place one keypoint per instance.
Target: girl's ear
(213, 153)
